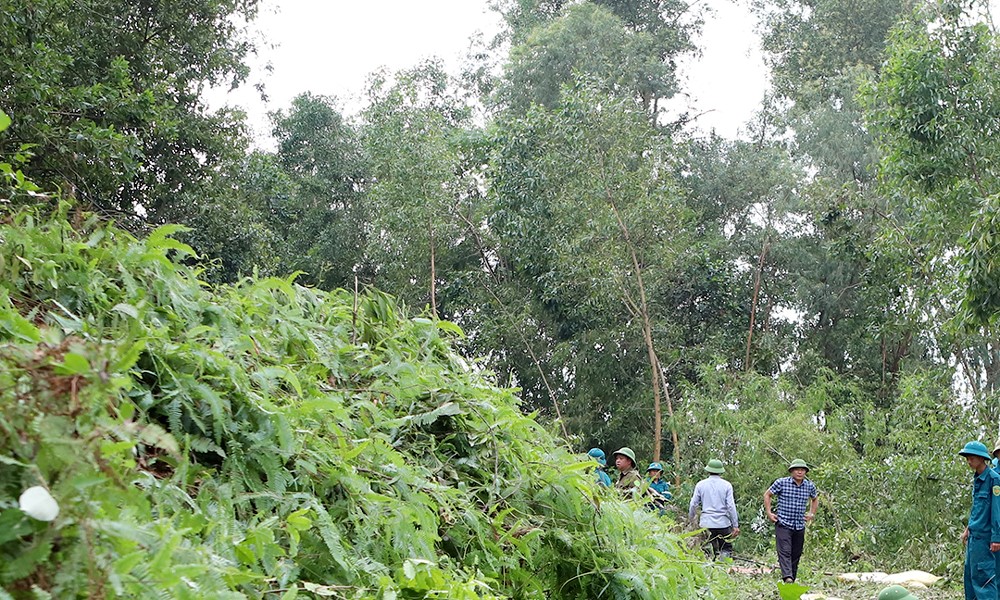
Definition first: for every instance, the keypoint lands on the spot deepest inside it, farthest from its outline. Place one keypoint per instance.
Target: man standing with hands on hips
(982, 536)
(794, 493)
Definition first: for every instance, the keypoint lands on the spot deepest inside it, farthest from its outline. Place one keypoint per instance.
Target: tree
(413, 135)
(584, 213)
(630, 54)
(322, 217)
(933, 109)
(110, 94)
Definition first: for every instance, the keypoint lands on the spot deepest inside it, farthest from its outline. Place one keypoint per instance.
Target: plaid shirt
(792, 501)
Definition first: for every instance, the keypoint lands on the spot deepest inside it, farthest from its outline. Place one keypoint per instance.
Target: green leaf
(4, 120)
(74, 364)
(127, 309)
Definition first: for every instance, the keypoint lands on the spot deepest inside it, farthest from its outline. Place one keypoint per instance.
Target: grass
(742, 586)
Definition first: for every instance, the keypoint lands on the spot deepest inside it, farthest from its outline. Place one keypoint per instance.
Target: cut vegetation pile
(265, 440)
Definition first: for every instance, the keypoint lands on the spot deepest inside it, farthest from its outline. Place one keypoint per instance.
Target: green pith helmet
(715, 467)
(798, 463)
(976, 449)
(895, 592)
(627, 453)
(654, 466)
(996, 448)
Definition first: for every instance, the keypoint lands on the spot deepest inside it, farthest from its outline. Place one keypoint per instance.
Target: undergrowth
(266, 440)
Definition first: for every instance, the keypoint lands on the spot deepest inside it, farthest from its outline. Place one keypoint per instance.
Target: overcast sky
(331, 47)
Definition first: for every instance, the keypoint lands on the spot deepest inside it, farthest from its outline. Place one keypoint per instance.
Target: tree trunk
(753, 304)
(430, 233)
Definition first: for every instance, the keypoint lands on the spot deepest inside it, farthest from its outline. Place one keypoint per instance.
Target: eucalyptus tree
(629, 48)
(934, 109)
(413, 135)
(587, 216)
(322, 215)
(820, 52)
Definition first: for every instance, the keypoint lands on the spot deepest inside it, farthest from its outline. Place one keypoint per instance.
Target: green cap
(798, 463)
(715, 467)
(895, 592)
(626, 452)
(976, 449)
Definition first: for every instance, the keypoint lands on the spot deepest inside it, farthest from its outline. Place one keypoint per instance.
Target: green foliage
(932, 109)
(268, 440)
(109, 92)
(318, 207)
(630, 48)
(890, 482)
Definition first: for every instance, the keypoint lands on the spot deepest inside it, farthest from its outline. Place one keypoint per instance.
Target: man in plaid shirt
(794, 493)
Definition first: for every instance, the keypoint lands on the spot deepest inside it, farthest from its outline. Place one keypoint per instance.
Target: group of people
(797, 502)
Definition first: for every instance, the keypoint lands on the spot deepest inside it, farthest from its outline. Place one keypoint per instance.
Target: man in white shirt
(718, 509)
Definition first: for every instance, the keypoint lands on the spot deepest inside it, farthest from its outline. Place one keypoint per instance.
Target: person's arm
(813, 506)
(733, 518)
(695, 501)
(767, 507)
(995, 516)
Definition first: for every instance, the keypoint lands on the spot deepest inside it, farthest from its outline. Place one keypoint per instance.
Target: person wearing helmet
(895, 592)
(794, 493)
(628, 475)
(714, 495)
(996, 456)
(982, 536)
(603, 479)
(654, 475)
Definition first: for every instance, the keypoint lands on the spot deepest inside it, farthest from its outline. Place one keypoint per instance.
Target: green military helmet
(715, 467)
(975, 448)
(654, 466)
(798, 463)
(627, 453)
(996, 449)
(895, 592)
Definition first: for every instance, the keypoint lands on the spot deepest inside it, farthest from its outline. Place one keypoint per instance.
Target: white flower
(39, 504)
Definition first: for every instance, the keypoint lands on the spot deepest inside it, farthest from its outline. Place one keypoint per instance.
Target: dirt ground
(748, 585)
(764, 590)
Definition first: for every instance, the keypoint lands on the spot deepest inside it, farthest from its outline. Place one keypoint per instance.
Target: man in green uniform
(628, 475)
(982, 536)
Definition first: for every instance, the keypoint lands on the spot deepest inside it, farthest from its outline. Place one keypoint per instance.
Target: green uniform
(627, 480)
(981, 565)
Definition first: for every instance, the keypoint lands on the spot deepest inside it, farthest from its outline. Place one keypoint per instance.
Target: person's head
(715, 467)
(976, 456)
(624, 459)
(654, 470)
(598, 455)
(798, 469)
(996, 449)
(895, 592)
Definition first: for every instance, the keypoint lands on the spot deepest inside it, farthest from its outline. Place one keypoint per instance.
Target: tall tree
(934, 108)
(413, 131)
(323, 217)
(110, 93)
(585, 213)
(628, 48)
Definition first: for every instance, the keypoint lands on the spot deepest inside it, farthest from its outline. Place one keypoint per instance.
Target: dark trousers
(789, 543)
(721, 540)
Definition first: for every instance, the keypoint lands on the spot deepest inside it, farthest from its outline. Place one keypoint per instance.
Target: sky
(330, 47)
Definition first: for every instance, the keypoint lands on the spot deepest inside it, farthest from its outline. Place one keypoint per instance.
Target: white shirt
(718, 507)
